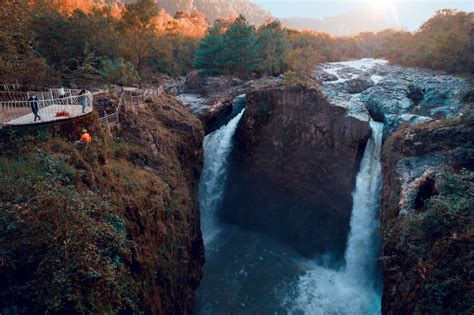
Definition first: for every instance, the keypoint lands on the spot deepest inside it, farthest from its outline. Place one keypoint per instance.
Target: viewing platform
(18, 108)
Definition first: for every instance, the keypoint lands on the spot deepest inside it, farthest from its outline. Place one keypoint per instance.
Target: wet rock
(415, 93)
(392, 93)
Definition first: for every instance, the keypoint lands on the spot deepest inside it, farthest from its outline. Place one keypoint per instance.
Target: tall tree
(272, 41)
(139, 25)
(240, 48)
(209, 55)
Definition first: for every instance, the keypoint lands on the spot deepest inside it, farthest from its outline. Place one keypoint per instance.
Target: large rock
(296, 161)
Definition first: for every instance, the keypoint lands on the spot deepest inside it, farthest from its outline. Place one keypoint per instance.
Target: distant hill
(346, 24)
(212, 9)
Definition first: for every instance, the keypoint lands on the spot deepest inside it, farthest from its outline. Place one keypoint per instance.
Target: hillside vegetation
(84, 43)
(111, 227)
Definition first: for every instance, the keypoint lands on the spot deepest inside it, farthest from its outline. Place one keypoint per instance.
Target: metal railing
(31, 107)
(130, 100)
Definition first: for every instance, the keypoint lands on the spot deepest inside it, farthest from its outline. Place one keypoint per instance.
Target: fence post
(107, 126)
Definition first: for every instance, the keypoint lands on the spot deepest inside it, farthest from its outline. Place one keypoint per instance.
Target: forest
(83, 43)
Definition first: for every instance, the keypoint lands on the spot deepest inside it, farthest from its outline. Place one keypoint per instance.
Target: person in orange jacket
(85, 138)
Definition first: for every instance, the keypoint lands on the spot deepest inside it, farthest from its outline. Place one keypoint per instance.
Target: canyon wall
(110, 227)
(294, 170)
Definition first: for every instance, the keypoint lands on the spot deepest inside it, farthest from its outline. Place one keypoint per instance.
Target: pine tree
(240, 49)
(208, 58)
(117, 71)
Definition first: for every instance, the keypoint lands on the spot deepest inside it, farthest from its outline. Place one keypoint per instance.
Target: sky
(409, 14)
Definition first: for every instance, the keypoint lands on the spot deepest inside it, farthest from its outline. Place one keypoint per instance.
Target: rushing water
(248, 273)
(217, 147)
(353, 289)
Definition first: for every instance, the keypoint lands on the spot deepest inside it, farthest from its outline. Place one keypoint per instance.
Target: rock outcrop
(393, 94)
(296, 159)
(211, 99)
(427, 219)
(110, 227)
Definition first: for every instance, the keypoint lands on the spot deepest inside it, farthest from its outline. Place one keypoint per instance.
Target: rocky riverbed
(392, 94)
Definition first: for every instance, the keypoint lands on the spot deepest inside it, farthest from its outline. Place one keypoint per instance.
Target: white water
(351, 290)
(217, 147)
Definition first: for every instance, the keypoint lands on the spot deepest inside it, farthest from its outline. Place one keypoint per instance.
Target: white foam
(350, 290)
(217, 147)
(376, 78)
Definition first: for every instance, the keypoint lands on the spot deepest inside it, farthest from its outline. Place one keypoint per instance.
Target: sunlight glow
(387, 6)
(381, 4)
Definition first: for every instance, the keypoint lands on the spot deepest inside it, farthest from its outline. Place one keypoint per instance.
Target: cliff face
(427, 211)
(295, 167)
(106, 228)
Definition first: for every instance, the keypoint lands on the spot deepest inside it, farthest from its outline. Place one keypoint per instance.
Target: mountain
(345, 24)
(212, 9)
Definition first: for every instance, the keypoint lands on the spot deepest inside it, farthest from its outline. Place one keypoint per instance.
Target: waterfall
(217, 147)
(352, 289)
(361, 250)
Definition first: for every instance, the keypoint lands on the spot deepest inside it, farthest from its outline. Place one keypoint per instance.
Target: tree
(117, 71)
(86, 73)
(138, 25)
(272, 41)
(240, 48)
(209, 55)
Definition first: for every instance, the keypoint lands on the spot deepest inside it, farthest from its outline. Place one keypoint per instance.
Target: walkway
(16, 108)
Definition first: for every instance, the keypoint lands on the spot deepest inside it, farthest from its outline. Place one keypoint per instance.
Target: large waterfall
(352, 289)
(217, 147)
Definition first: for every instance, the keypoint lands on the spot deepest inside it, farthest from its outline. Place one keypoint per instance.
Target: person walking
(34, 103)
(82, 100)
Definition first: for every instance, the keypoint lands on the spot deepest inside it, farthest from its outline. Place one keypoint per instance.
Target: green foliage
(117, 71)
(240, 50)
(209, 55)
(273, 45)
(234, 51)
(433, 249)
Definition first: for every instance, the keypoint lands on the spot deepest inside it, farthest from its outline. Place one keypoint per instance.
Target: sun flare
(380, 4)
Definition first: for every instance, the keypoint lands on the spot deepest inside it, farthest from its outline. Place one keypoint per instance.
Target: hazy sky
(409, 14)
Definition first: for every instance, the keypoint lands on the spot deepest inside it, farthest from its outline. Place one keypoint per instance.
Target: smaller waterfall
(217, 147)
(351, 290)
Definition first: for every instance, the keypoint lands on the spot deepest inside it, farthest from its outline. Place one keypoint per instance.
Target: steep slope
(111, 227)
(427, 212)
(215, 9)
(212, 9)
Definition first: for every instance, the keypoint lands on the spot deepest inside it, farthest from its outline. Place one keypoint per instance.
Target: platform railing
(17, 108)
